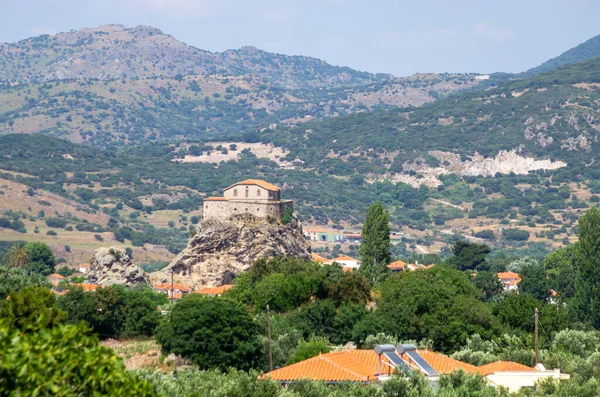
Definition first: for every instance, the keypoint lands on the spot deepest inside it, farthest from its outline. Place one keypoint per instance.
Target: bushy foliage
(62, 361)
(212, 333)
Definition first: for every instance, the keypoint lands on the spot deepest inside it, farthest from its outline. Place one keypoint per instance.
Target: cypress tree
(587, 286)
(375, 245)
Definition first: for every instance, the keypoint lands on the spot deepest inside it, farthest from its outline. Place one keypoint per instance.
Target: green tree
(287, 216)
(587, 291)
(62, 361)
(488, 283)
(41, 258)
(14, 279)
(469, 256)
(141, 316)
(561, 268)
(30, 308)
(17, 256)
(534, 281)
(212, 332)
(307, 349)
(375, 246)
(516, 311)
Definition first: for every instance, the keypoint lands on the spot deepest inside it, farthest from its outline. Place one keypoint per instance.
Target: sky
(387, 36)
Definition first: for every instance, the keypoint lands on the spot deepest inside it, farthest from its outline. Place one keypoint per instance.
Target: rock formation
(113, 266)
(222, 249)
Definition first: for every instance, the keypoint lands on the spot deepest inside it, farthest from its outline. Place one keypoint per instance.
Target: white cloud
(39, 30)
(484, 31)
(186, 8)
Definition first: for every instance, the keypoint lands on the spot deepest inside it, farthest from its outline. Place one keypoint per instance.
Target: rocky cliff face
(220, 250)
(113, 266)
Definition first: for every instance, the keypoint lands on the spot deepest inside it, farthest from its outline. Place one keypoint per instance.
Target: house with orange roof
(252, 196)
(84, 268)
(353, 237)
(319, 259)
(368, 366)
(178, 290)
(347, 261)
(214, 291)
(510, 280)
(397, 266)
(55, 279)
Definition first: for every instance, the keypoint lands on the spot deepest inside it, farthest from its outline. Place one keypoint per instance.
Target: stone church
(252, 196)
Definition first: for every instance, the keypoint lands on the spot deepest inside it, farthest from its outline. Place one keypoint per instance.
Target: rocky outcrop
(113, 266)
(222, 249)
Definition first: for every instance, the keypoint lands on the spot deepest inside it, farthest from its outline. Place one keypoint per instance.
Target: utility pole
(171, 288)
(535, 314)
(269, 338)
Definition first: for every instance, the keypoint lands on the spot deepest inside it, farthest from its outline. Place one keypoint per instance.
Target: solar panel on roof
(421, 363)
(394, 359)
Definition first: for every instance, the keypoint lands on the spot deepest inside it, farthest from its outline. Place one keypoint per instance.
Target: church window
(235, 192)
(258, 192)
(246, 191)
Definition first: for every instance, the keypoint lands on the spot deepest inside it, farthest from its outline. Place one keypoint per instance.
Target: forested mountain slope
(552, 116)
(113, 85)
(581, 53)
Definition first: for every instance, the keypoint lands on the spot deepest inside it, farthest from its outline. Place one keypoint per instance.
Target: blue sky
(398, 37)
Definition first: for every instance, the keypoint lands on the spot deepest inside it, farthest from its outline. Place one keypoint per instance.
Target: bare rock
(222, 249)
(113, 266)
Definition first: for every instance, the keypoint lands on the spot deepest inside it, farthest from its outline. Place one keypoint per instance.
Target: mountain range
(140, 127)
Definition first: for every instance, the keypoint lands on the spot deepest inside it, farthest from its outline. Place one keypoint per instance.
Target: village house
(347, 262)
(397, 266)
(55, 279)
(252, 196)
(323, 235)
(177, 290)
(370, 366)
(510, 280)
(84, 268)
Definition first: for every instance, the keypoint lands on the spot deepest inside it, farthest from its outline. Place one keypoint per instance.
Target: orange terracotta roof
(396, 265)
(429, 266)
(507, 275)
(348, 269)
(177, 295)
(214, 290)
(176, 287)
(344, 258)
(55, 275)
(331, 367)
(84, 265)
(59, 293)
(316, 229)
(86, 286)
(257, 182)
(504, 366)
(444, 364)
(318, 258)
(216, 199)
(352, 234)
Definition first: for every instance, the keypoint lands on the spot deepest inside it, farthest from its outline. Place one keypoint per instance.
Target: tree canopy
(212, 332)
(375, 246)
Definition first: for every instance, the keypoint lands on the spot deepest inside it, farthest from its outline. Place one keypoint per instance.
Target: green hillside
(584, 51)
(111, 86)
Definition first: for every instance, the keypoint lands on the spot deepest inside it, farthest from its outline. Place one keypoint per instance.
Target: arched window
(258, 192)
(246, 191)
(235, 192)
